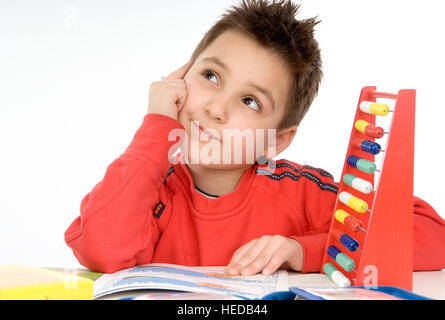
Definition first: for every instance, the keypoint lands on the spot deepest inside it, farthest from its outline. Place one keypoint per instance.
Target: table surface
(430, 284)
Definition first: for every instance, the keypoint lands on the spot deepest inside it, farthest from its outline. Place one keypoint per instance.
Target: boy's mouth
(204, 131)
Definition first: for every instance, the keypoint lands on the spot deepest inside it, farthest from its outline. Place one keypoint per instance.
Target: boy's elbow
(102, 263)
(99, 257)
(104, 266)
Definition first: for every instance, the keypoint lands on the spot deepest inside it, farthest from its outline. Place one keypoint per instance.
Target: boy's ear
(284, 138)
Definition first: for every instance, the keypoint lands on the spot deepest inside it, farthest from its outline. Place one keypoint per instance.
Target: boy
(256, 70)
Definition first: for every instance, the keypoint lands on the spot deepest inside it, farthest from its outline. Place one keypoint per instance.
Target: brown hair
(273, 25)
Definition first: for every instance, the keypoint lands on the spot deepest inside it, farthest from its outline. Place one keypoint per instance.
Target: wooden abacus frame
(386, 256)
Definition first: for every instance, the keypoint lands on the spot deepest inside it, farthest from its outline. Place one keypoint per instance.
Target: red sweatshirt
(147, 210)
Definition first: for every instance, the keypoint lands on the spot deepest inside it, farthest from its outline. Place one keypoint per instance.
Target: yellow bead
(340, 215)
(360, 125)
(357, 204)
(379, 109)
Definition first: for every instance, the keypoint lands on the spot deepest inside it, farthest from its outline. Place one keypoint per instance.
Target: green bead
(347, 178)
(328, 268)
(346, 263)
(366, 166)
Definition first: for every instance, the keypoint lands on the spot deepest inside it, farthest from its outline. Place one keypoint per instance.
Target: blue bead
(371, 147)
(352, 161)
(349, 242)
(333, 251)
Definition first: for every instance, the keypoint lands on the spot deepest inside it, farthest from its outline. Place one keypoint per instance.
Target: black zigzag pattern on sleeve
(288, 165)
(305, 174)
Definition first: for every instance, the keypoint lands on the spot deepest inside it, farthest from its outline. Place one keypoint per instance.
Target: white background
(74, 78)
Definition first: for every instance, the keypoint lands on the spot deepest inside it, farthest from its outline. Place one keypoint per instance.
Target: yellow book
(19, 282)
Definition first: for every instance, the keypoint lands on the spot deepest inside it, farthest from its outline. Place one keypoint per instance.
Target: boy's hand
(266, 254)
(168, 96)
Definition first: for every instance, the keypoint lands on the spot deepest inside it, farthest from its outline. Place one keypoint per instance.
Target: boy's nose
(217, 111)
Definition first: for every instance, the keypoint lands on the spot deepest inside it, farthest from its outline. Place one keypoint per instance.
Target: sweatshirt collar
(226, 204)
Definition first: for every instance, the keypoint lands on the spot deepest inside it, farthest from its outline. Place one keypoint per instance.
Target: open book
(210, 280)
(206, 280)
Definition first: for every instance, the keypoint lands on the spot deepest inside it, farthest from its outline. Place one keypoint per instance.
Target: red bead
(373, 131)
(353, 223)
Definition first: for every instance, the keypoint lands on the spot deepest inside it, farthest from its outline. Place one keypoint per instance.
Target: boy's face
(237, 90)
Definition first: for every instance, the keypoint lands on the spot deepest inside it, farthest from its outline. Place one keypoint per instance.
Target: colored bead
(374, 108)
(357, 183)
(343, 260)
(362, 164)
(328, 268)
(340, 216)
(369, 129)
(336, 276)
(360, 125)
(353, 202)
(340, 280)
(367, 146)
(349, 242)
(333, 252)
(349, 221)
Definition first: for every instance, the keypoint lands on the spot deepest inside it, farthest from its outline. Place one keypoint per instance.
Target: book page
(190, 279)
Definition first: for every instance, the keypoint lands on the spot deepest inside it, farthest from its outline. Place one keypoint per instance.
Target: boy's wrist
(162, 117)
(298, 256)
(163, 113)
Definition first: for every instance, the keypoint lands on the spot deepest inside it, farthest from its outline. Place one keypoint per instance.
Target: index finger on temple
(181, 72)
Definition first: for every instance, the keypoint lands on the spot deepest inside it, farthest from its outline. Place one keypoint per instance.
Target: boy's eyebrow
(264, 91)
(217, 61)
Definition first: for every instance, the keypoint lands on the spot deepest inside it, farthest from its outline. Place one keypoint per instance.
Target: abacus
(370, 236)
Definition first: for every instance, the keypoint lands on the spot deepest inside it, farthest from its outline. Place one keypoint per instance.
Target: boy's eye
(209, 75)
(252, 103)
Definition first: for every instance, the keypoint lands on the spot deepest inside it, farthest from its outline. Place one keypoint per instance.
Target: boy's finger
(181, 72)
(181, 101)
(262, 260)
(238, 255)
(251, 254)
(275, 262)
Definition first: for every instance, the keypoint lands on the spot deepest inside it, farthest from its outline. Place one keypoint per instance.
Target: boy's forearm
(155, 139)
(113, 223)
(312, 249)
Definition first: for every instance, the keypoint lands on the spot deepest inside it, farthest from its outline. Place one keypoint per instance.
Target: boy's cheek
(197, 96)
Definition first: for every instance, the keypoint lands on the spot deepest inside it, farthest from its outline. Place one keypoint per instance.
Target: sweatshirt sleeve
(116, 228)
(428, 237)
(319, 201)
